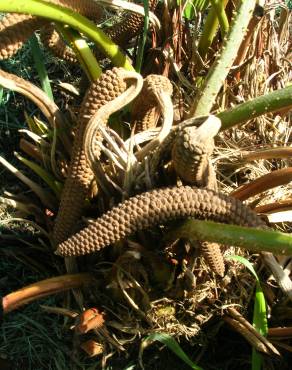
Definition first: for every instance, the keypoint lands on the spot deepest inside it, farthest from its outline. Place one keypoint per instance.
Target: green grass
(39, 61)
(11, 105)
(30, 338)
(171, 344)
(259, 313)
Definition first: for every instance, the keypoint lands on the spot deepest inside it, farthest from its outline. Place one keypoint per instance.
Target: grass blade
(47, 199)
(144, 36)
(35, 125)
(172, 344)
(1, 94)
(259, 311)
(193, 6)
(38, 58)
(43, 174)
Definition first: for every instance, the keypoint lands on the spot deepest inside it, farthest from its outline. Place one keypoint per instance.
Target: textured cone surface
(107, 88)
(154, 208)
(53, 41)
(15, 29)
(120, 33)
(163, 151)
(145, 107)
(190, 157)
(213, 255)
(131, 25)
(89, 8)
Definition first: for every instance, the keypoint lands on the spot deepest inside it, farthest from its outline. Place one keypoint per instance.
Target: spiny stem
(253, 239)
(274, 101)
(218, 72)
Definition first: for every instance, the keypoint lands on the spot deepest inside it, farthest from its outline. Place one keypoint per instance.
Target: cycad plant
(171, 105)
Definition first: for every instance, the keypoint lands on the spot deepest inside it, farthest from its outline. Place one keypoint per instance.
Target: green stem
(274, 101)
(209, 31)
(38, 57)
(259, 323)
(83, 53)
(219, 6)
(253, 239)
(220, 68)
(42, 8)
